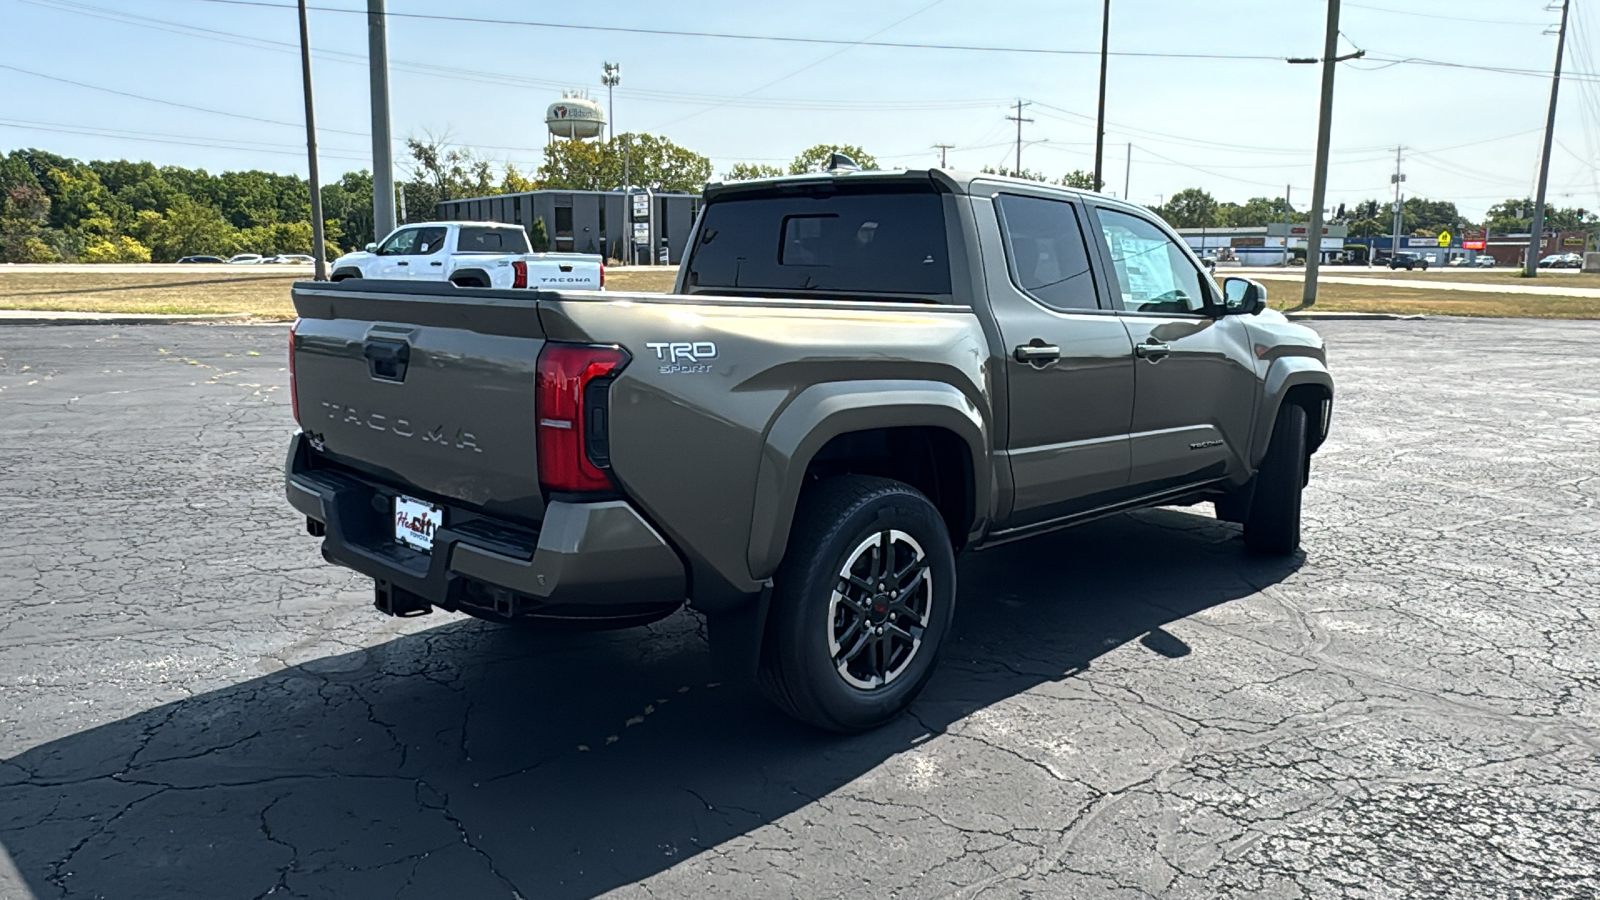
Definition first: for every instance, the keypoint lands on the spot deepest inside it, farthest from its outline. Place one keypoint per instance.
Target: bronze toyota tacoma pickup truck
(858, 376)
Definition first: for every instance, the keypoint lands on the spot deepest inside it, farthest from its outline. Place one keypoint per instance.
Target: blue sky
(1238, 128)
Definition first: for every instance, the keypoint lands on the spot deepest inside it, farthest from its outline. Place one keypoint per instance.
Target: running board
(1160, 498)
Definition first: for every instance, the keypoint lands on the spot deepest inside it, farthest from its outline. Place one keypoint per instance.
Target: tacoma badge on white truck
(471, 254)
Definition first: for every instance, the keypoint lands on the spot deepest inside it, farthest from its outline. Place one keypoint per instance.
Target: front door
(1195, 382)
(1068, 367)
(394, 254)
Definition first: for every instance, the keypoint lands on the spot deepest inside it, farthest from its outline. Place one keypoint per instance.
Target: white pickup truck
(470, 254)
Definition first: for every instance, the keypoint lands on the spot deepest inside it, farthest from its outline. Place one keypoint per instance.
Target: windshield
(868, 240)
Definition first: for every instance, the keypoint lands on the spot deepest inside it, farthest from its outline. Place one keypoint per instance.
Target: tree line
(57, 209)
(1420, 217)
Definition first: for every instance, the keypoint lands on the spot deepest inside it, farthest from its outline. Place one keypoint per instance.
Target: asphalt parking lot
(192, 704)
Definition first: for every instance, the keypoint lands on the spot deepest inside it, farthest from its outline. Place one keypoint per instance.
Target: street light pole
(1531, 264)
(1100, 118)
(318, 238)
(383, 220)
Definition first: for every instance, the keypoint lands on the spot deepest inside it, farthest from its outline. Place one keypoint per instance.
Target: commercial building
(592, 221)
(1265, 245)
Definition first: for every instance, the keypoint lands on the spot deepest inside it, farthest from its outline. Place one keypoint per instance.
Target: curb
(47, 317)
(1350, 317)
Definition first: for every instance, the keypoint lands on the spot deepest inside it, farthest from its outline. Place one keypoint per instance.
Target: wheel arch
(345, 274)
(927, 434)
(465, 275)
(1302, 381)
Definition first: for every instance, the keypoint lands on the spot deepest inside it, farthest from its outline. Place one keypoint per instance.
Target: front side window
(401, 243)
(1046, 251)
(1153, 272)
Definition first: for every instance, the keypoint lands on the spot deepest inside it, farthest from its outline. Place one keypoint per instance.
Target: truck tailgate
(431, 394)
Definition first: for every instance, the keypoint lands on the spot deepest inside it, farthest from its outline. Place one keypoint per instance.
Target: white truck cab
(470, 254)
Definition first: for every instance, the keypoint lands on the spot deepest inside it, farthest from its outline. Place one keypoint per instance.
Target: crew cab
(470, 254)
(858, 376)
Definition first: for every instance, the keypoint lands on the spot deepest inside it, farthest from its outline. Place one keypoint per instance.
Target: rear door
(1069, 365)
(1195, 381)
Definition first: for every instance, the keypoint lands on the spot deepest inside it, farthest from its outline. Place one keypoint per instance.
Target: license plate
(415, 523)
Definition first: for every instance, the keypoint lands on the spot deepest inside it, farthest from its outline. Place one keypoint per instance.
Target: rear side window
(1044, 245)
(886, 240)
(492, 240)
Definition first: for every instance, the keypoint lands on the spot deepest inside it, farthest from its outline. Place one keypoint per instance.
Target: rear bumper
(586, 560)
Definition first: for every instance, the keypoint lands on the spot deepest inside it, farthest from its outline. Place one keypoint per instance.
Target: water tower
(575, 117)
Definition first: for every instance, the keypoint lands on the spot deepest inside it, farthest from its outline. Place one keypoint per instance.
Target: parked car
(1555, 261)
(303, 259)
(201, 259)
(1408, 261)
(859, 376)
(470, 254)
(1457, 262)
(1482, 261)
(246, 259)
(1572, 260)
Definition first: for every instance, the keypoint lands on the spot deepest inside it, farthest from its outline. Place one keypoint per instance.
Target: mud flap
(737, 635)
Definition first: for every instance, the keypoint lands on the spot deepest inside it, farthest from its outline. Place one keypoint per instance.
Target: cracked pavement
(194, 704)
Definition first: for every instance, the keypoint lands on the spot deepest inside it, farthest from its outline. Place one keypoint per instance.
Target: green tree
(282, 237)
(1255, 212)
(751, 171)
(189, 228)
(1190, 208)
(816, 158)
(539, 236)
(1004, 172)
(652, 162)
(514, 182)
(118, 249)
(1077, 178)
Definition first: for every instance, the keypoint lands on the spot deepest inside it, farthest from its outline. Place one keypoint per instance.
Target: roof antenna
(838, 162)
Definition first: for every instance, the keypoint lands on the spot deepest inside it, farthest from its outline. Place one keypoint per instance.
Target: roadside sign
(641, 205)
(641, 232)
(1444, 238)
(1474, 239)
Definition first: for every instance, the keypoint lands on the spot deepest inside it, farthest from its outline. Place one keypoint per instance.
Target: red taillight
(572, 412)
(602, 276)
(294, 392)
(519, 274)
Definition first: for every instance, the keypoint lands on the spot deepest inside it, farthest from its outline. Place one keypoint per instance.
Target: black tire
(801, 672)
(1273, 527)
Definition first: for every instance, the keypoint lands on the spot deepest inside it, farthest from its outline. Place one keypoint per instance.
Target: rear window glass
(877, 242)
(492, 240)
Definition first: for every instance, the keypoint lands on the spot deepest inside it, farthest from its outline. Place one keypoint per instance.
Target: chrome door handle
(1031, 353)
(436, 264)
(403, 264)
(1152, 351)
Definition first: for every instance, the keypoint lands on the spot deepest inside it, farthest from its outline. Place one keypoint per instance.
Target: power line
(498, 79)
(787, 39)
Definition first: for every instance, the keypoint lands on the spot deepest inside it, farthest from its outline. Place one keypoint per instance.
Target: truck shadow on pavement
(468, 760)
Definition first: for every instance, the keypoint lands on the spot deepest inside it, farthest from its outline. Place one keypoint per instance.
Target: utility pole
(1100, 119)
(319, 247)
(942, 148)
(383, 220)
(1287, 208)
(1019, 120)
(1530, 266)
(611, 78)
(1127, 174)
(1399, 219)
(1319, 184)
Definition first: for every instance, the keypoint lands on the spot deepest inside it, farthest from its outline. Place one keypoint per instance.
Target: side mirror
(371, 247)
(1243, 297)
